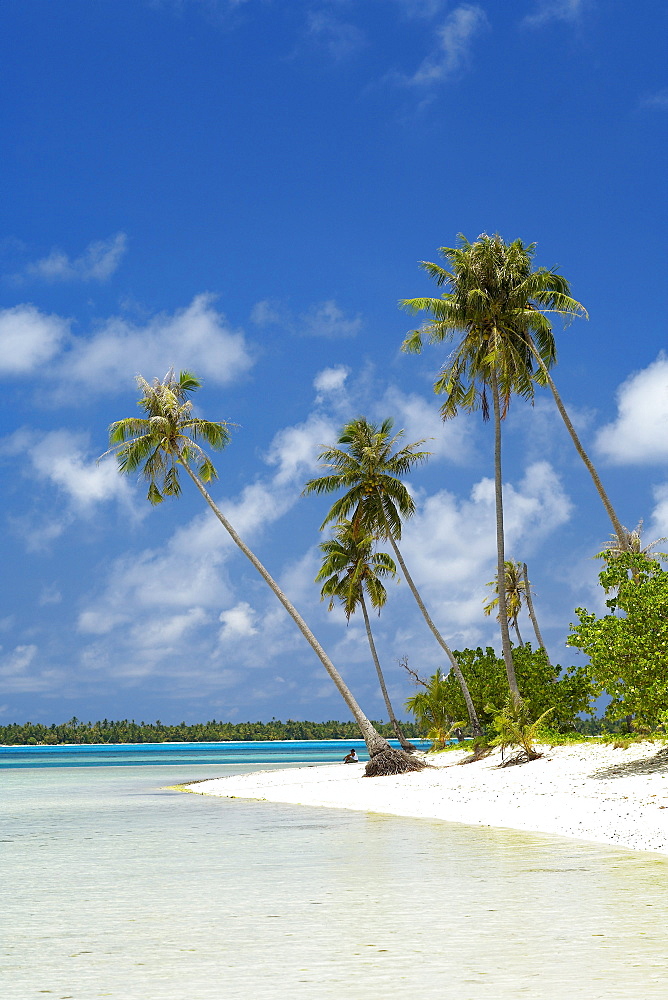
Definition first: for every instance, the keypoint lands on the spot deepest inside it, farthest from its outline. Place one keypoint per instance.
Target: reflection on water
(115, 888)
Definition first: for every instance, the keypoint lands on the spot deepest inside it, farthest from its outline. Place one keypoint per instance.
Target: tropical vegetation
(129, 731)
(628, 647)
(567, 693)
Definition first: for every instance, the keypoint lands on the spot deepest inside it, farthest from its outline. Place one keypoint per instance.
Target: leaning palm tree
(165, 440)
(368, 470)
(515, 591)
(351, 569)
(499, 304)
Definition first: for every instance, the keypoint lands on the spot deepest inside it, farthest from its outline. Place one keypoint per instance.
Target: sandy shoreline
(590, 792)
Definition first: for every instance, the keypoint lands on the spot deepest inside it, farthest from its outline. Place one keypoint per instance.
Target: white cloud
(189, 571)
(659, 523)
(238, 622)
(62, 458)
(38, 532)
(659, 99)
(268, 313)
(29, 338)
(450, 439)
(295, 449)
(20, 672)
(97, 263)
(323, 319)
(196, 338)
(454, 39)
(156, 586)
(18, 660)
(326, 319)
(330, 380)
(162, 634)
(50, 595)
(639, 435)
(450, 544)
(339, 38)
(422, 8)
(555, 10)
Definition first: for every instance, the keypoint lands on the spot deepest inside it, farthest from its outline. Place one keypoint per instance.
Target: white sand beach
(588, 791)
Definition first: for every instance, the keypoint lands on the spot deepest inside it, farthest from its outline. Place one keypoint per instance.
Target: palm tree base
(392, 761)
(478, 754)
(523, 757)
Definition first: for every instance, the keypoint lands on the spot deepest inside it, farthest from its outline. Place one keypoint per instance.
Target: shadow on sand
(659, 762)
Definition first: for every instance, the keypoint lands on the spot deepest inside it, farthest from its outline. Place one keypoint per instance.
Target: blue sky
(244, 188)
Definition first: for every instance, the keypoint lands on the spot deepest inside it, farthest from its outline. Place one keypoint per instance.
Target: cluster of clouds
(453, 30)
(187, 610)
(38, 344)
(159, 610)
(322, 319)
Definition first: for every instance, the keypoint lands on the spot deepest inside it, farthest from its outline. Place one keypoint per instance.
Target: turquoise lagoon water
(114, 886)
(241, 752)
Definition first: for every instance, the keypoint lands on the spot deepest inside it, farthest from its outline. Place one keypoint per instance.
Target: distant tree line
(129, 731)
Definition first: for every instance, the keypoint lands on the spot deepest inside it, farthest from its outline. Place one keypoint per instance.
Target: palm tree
(498, 303)
(634, 543)
(515, 591)
(532, 614)
(524, 304)
(350, 569)
(429, 709)
(167, 439)
(368, 470)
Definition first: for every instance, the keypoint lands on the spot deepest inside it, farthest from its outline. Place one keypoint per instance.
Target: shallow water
(115, 887)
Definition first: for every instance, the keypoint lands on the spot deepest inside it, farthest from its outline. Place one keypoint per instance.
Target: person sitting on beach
(351, 758)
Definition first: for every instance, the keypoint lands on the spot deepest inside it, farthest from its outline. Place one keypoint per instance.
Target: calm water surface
(115, 887)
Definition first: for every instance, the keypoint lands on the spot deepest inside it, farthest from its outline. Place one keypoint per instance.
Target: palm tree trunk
(532, 613)
(470, 708)
(408, 747)
(605, 500)
(517, 629)
(500, 547)
(375, 743)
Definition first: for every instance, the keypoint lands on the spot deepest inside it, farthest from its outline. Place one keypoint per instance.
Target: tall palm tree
(499, 304)
(523, 308)
(368, 470)
(515, 591)
(167, 439)
(351, 569)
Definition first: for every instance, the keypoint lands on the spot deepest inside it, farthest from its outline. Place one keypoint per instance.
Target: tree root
(393, 761)
(478, 754)
(521, 758)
